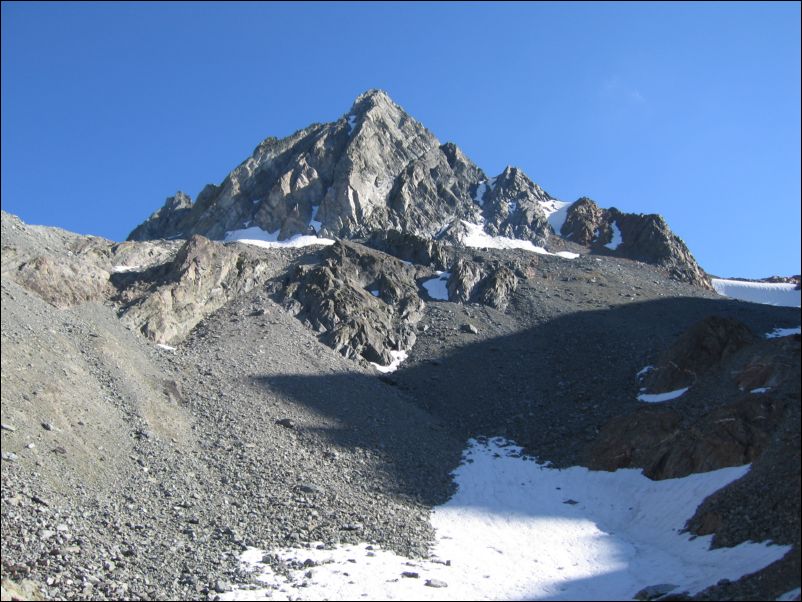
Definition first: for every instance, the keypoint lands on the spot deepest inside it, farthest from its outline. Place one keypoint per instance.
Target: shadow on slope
(550, 388)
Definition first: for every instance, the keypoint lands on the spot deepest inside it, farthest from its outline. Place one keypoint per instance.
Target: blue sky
(687, 110)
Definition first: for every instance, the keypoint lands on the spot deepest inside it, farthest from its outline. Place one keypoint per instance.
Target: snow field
(768, 293)
(518, 529)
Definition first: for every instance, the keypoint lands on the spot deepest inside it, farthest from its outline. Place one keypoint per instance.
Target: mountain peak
(377, 103)
(374, 96)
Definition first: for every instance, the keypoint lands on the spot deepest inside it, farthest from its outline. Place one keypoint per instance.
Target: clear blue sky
(687, 110)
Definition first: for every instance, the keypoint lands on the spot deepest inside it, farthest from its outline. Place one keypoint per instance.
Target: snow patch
(476, 237)
(398, 357)
(760, 390)
(556, 212)
(351, 124)
(790, 595)
(269, 240)
(783, 332)
(519, 530)
(122, 269)
(479, 195)
(644, 371)
(375, 293)
(436, 287)
(566, 254)
(165, 347)
(316, 225)
(661, 397)
(617, 239)
(768, 293)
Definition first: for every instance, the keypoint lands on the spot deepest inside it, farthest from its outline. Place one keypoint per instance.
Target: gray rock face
(489, 284)
(166, 302)
(643, 237)
(435, 190)
(364, 303)
(374, 169)
(465, 276)
(166, 219)
(512, 207)
(412, 248)
(340, 172)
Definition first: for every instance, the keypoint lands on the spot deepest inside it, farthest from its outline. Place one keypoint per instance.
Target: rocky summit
(297, 359)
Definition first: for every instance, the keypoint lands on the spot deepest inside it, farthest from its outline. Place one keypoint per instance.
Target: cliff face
(643, 237)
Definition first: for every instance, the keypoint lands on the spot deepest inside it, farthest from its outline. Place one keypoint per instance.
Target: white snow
(512, 207)
(566, 254)
(760, 390)
(444, 227)
(476, 237)
(398, 357)
(120, 269)
(269, 240)
(790, 595)
(375, 293)
(351, 124)
(644, 371)
(165, 347)
(313, 220)
(660, 397)
(556, 212)
(479, 195)
(520, 530)
(617, 240)
(783, 332)
(436, 287)
(768, 293)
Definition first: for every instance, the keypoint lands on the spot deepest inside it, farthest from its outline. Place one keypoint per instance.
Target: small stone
(7, 427)
(470, 328)
(410, 575)
(653, 592)
(352, 527)
(435, 583)
(286, 423)
(10, 456)
(222, 587)
(47, 426)
(309, 488)
(570, 502)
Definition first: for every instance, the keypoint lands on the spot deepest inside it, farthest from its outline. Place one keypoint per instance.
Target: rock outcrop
(165, 222)
(166, 301)
(363, 302)
(486, 283)
(412, 248)
(702, 347)
(643, 237)
(748, 390)
(512, 207)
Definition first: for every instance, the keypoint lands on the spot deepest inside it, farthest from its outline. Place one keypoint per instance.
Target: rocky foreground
(167, 403)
